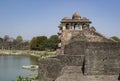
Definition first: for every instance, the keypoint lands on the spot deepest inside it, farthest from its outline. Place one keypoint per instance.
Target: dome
(76, 15)
(65, 18)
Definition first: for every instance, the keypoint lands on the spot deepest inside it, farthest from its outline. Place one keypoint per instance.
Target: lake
(11, 66)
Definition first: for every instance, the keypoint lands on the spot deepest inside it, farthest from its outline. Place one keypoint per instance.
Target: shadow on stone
(119, 77)
(83, 66)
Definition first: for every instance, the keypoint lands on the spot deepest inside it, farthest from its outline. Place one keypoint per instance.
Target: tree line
(36, 43)
(44, 43)
(9, 43)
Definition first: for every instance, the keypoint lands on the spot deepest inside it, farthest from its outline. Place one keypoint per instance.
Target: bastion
(83, 54)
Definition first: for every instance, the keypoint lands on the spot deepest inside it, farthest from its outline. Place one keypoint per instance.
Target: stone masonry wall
(50, 68)
(94, 58)
(102, 58)
(75, 48)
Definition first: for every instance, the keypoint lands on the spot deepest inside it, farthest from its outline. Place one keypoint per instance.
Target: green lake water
(11, 67)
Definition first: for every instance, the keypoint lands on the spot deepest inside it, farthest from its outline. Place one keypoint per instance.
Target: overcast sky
(30, 18)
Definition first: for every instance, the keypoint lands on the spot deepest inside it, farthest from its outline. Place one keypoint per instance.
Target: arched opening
(76, 27)
(67, 26)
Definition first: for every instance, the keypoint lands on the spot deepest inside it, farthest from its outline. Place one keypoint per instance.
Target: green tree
(53, 42)
(115, 38)
(33, 43)
(38, 43)
(19, 39)
(41, 42)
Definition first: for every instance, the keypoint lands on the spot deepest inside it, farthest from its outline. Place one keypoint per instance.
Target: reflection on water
(11, 66)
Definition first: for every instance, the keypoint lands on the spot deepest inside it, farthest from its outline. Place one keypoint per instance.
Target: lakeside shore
(27, 52)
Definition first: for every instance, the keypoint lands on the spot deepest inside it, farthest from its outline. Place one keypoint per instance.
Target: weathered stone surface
(99, 59)
(73, 73)
(102, 58)
(75, 48)
(71, 60)
(70, 73)
(71, 69)
(49, 69)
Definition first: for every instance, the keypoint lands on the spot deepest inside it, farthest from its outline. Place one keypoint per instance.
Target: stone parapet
(50, 68)
(102, 58)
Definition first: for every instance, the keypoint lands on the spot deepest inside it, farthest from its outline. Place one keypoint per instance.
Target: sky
(30, 18)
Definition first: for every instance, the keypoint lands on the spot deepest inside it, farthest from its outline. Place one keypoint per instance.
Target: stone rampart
(75, 48)
(102, 58)
(95, 58)
(50, 68)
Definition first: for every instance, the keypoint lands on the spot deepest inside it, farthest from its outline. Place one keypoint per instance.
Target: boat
(31, 67)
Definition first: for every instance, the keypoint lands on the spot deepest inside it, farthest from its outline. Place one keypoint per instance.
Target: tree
(115, 38)
(38, 43)
(19, 39)
(41, 42)
(33, 43)
(53, 42)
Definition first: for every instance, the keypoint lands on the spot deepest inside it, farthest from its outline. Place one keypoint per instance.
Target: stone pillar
(72, 26)
(80, 27)
(64, 28)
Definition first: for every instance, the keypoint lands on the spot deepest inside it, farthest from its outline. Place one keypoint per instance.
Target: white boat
(31, 67)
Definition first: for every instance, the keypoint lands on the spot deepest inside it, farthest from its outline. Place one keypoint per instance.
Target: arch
(76, 26)
(67, 26)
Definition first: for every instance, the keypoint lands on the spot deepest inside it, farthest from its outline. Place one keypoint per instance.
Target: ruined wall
(50, 68)
(102, 58)
(71, 40)
(85, 35)
(75, 48)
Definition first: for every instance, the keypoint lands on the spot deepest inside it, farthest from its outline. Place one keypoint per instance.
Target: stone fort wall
(51, 68)
(99, 57)
(81, 50)
(102, 58)
(94, 58)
